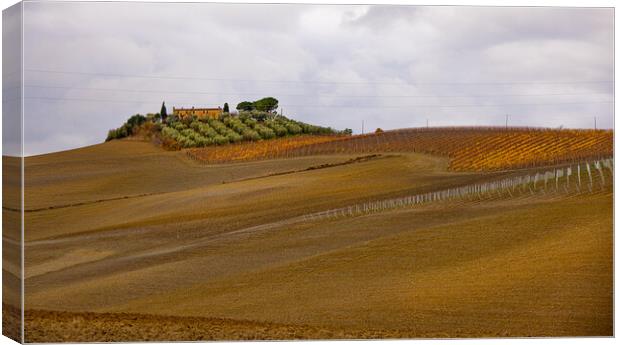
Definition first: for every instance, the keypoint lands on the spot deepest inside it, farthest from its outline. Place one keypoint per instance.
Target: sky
(89, 66)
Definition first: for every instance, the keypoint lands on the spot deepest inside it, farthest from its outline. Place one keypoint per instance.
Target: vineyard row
(469, 149)
(580, 178)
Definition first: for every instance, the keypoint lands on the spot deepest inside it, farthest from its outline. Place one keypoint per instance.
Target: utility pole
(595, 123)
(362, 126)
(507, 121)
(426, 123)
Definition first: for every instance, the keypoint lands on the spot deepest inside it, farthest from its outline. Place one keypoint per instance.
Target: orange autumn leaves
(469, 148)
(266, 149)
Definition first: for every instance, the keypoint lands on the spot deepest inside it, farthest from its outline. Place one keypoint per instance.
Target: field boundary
(359, 159)
(54, 207)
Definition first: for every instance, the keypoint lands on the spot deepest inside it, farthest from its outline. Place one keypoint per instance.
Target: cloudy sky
(89, 66)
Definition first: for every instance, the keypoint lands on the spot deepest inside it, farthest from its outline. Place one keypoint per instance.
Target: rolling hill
(142, 240)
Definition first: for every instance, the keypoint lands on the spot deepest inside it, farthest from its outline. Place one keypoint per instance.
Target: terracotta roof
(218, 108)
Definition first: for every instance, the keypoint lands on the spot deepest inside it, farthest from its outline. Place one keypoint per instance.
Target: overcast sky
(89, 66)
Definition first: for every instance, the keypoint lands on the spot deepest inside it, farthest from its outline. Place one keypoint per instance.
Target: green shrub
(264, 132)
(218, 126)
(237, 125)
(112, 134)
(250, 122)
(234, 137)
(202, 141)
(127, 128)
(293, 128)
(170, 133)
(136, 120)
(187, 142)
(251, 135)
(195, 125)
(179, 126)
(276, 127)
(220, 140)
(204, 129)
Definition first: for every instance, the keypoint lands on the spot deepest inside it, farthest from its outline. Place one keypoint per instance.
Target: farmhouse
(200, 113)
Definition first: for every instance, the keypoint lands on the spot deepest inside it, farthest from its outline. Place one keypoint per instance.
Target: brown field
(469, 148)
(11, 247)
(128, 242)
(57, 326)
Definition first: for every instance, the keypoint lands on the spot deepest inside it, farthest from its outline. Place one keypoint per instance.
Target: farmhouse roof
(192, 108)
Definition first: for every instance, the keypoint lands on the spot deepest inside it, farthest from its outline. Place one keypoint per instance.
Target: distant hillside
(176, 133)
(470, 148)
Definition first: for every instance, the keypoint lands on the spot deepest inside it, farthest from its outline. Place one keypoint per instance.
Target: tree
(245, 106)
(378, 130)
(259, 115)
(112, 134)
(266, 104)
(347, 131)
(136, 121)
(226, 110)
(163, 113)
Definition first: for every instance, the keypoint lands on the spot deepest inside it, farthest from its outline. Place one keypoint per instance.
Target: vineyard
(469, 148)
(265, 149)
(584, 177)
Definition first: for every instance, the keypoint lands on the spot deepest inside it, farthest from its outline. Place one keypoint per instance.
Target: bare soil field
(146, 244)
(104, 327)
(127, 168)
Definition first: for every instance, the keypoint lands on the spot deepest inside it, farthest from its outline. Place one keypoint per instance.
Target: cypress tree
(226, 110)
(163, 113)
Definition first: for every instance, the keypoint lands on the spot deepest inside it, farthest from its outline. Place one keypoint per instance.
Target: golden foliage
(265, 149)
(470, 148)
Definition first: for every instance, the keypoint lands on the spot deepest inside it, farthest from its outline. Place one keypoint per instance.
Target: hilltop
(177, 132)
(254, 135)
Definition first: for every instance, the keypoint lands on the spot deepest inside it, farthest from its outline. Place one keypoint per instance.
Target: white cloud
(410, 60)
